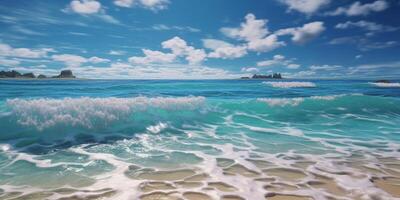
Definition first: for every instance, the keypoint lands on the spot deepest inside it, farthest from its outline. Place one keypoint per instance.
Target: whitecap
(157, 128)
(387, 85)
(291, 84)
(45, 112)
(281, 101)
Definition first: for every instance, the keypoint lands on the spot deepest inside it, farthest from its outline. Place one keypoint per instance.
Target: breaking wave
(85, 111)
(387, 85)
(297, 101)
(292, 84)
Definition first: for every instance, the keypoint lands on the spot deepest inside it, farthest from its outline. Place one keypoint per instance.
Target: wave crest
(85, 111)
(297, 101)
(387, 85)
(291, 84)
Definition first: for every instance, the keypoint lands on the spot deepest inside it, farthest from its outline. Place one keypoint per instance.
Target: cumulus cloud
(304, 34)
(305, 6)
(153, 57)
(85, 6)
(224, 50)
(149, 4)
(266, 44)
(255, 33)
(7, 50)
(71, 60)
(251, 29)
(279, 60)
(178, 47)
(358, 9)
(92, 8)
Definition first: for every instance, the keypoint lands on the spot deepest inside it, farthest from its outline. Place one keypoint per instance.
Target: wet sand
(300, 181)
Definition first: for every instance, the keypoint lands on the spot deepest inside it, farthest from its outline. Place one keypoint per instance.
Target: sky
(201, 39)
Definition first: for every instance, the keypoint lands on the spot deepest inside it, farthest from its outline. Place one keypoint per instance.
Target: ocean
(199, 139)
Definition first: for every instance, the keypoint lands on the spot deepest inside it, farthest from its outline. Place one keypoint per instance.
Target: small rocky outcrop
(65, 74)
(260, 76)
(14, 74)
(28, 75)
(10, 74)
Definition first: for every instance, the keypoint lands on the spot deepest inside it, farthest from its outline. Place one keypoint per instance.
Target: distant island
(67, 74)
(261, 76)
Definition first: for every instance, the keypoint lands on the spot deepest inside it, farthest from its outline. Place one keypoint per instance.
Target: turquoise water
(86, 135)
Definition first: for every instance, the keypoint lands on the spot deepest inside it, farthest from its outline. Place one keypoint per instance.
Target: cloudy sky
(196, 39)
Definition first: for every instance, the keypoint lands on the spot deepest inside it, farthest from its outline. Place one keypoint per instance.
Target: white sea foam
(5, 147)
(85, 111)
(157, 128)
(291, 84)
(298, 100)
(281, 101)
(387, 85)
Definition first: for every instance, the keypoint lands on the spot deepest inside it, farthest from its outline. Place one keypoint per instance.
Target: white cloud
(305, 6)
(8, 62)
(279, 60)
(293, 66)
(364, 44)
(301, 74)
(154, 4)
(366, 25)
(92, 8)
(121, 70)
(195, 56)
(7, 50)
(96, 59)
(307, 32)
(388, 69)
(357, 8)
(250, 70)
(149, 4)
(124, 3)
(266, 44)
(153, 57)
(76, 61)
(224, 50)
(116, 53)
(325, 67)
(85, 6)
(163, 27)
(250, 30)
(255, 33)
(179, 47)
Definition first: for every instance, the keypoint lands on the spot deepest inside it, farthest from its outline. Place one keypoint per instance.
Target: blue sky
(195, 39)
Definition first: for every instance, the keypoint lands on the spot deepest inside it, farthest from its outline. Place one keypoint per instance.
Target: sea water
(199, 139)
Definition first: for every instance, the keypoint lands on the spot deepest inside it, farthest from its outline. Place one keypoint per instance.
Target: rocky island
(261, 76)
(64, 74)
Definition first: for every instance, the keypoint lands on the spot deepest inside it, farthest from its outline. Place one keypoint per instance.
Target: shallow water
(225, 139)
